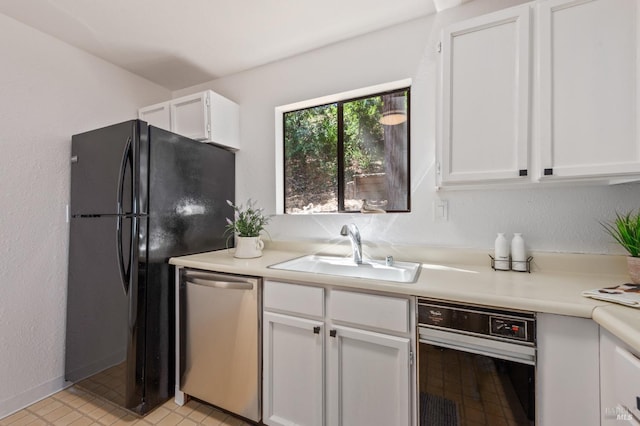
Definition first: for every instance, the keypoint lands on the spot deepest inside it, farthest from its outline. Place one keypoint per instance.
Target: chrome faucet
(353, 233)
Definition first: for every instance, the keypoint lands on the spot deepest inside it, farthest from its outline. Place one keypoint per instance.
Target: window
(346, 155)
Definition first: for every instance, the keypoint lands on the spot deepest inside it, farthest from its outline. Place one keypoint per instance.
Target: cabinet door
(619, 382)
(225, 121)
(157, 115)
(292, 370)
(485, 98)
(588, 88)
(368, 378)
(189, 116)
(567, 374)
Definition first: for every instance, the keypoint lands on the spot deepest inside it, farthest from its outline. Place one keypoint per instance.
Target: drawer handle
(316, 329)
(332, 333)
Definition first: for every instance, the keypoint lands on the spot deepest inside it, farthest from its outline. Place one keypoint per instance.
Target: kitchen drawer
(370, 310)
(627, 380)
(294, 298)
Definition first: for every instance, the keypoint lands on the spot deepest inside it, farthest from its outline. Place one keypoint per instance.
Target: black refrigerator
(139, 195)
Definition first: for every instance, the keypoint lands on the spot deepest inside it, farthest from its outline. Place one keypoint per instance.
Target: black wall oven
(476, 365)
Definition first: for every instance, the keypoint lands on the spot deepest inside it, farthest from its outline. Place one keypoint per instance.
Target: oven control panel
(508, 327)
(515, 326)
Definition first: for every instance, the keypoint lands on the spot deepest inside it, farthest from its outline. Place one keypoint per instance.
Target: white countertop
(553, 286)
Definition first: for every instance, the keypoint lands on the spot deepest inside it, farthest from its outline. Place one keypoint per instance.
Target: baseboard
(30, 396)
(77, 373)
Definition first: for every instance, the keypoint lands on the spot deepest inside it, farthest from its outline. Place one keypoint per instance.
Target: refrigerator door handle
(126, 157)
(124, 274)
(124, 270)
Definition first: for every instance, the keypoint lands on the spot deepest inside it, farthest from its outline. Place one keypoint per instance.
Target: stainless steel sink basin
(402, 272)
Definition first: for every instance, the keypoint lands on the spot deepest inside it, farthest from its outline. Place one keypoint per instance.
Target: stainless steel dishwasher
(220, 329)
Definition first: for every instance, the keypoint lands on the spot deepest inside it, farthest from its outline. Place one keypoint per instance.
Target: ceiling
(180, 43)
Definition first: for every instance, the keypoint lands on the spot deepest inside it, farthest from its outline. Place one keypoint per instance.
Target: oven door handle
(478, 345)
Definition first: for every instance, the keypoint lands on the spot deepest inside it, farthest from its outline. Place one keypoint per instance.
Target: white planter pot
(634, 269)
(248, 247)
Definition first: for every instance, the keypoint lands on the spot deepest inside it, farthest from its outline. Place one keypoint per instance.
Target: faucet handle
(344, 231)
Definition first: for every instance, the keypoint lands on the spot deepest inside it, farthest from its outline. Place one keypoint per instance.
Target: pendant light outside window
(394, 112)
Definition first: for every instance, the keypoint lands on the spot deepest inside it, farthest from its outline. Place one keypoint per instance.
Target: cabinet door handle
(316, 330)
(332, 333)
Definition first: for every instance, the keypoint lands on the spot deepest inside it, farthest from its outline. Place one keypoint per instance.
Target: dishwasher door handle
(227, 285)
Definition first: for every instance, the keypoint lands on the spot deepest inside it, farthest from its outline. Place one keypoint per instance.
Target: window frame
(352, 95)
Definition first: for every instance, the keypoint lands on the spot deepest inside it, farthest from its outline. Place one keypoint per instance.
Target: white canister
(501, 254)
(248, 247)
(518, 253)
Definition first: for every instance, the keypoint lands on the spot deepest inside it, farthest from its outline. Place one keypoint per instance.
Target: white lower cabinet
(567, 374)
(322, 369)
(369, 377)
(293, 372)
(619, 382)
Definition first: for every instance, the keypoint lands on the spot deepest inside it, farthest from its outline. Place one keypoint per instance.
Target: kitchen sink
(401, 272)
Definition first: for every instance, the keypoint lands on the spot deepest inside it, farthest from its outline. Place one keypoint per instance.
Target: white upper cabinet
(588, 88)
(558, 100)
(158, 115)
(205, 116)
(485, 98)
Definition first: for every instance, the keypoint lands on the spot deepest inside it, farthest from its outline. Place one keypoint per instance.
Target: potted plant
(247, 224)
(625, 229)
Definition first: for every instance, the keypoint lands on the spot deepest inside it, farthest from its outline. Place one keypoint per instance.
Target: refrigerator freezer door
(189, 185)
(101, 172)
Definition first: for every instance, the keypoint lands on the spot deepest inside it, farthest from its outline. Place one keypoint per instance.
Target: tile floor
(74, 406)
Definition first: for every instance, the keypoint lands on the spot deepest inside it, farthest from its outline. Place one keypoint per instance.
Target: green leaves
(625, 229)
(363, 137)
(310, 151)
(248, 222)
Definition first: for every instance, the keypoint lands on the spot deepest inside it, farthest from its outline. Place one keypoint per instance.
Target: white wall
(551, 219)
(48, 92)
